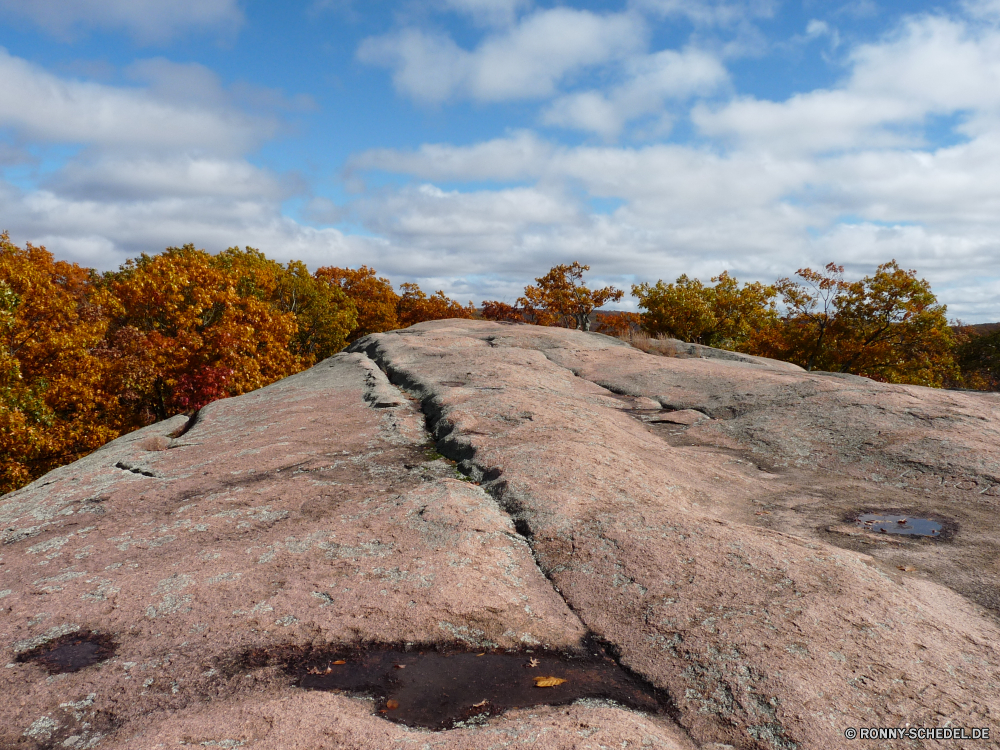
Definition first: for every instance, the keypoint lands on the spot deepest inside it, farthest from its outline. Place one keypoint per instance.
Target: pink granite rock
(718, 558)
(768, 631)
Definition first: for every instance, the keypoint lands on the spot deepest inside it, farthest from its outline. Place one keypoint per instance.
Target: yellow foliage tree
(726, 315)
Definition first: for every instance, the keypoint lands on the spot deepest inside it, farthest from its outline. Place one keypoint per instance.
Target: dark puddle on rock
(72, 652)
(441, 689)
(891, 523)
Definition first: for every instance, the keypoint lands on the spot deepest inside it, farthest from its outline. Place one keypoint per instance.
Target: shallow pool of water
(441, 689)
(890, 523)
(71, 653)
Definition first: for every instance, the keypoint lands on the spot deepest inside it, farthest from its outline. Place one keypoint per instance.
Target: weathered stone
(717, 557)
(686, 417)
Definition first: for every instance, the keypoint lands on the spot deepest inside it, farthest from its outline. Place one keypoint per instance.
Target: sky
(470, 145)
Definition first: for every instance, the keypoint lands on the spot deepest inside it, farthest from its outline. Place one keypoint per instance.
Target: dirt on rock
(462, 488)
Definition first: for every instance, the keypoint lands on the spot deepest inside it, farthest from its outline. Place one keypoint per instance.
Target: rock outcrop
(503, 488)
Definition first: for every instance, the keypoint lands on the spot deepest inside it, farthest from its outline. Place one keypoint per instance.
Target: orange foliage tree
(560, 298)
(190, 327)
(501, 311)
(618, 324)
(54, 403)
(375, 300)
(380, 308)
(416, 307)
(887, 326)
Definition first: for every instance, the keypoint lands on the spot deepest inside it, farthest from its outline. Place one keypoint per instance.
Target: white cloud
(982, 9)
(489, 12)
(712, 12)
(526, 61)
(494, 217)
(103, 233)
(650, 81)
(143, 177)
(931, 66)
(428, 67)
(589, 110)
(43, 107)
(146, 20)
(506, 159)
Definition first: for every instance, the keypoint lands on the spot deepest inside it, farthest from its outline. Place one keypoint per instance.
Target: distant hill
(984, 328)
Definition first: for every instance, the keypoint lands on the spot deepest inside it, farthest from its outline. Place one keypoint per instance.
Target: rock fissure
(463, 453)
(132, 468)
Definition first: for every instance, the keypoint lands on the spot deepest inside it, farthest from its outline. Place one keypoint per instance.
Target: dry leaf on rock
(548, 681)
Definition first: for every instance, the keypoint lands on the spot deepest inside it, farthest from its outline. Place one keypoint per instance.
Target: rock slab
(506, 487)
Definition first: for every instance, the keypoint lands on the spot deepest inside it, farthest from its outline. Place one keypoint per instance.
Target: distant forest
(88, 356)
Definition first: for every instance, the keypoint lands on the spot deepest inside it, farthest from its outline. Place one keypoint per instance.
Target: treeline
(86, 357)
(888, 326)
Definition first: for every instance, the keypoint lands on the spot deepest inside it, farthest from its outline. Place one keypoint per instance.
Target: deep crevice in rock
(459, 449)
(189, 425)
(126, 466)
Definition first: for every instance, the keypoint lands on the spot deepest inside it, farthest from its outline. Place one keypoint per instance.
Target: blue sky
(470, 145)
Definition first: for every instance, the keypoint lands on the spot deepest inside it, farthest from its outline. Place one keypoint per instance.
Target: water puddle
(891, 523)
(443, 689)
(72, 652)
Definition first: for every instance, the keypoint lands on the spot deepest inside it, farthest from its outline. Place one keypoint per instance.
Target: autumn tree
(887, 326)
(501, 311)
(324, 314)
(978, 358)
(725, 315)
(808, 330)
(617, 324)
(374, 299)
(416, 307)
(54, 406)
(190, 328)
(560, 298)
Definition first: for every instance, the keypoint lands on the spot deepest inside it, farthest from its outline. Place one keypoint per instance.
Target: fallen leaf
(548, 681)
(391, 704)
(340, 661)
(399, 666)
(481, 703)
(533, 662)
(482, 654)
